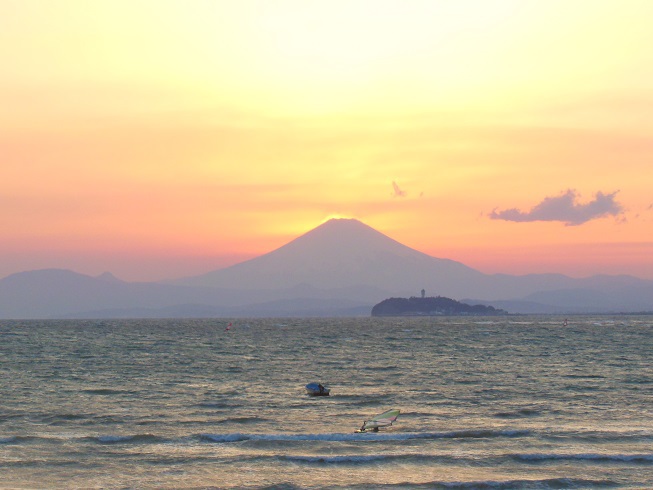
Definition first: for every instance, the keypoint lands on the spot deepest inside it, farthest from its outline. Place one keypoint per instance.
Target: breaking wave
(597, 457)
(366, 437)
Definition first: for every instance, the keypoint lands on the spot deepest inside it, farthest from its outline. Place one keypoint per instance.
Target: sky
(164, 138)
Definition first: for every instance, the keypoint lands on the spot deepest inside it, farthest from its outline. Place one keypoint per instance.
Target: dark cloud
(397, 191)
(565, 208)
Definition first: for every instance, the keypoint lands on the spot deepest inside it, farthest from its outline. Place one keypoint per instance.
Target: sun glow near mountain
(227, 128)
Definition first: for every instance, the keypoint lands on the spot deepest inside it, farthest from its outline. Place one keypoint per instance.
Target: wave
(346, 459)
(7, 416)
(241, 420)
(10, 440)
(66, 418)
(354, 460)
(365, 437)
(597, 457)
(602, 436)
(106, 391)
(103, 439)
(549, 483)
(133, 439)
(359, 400)
(62, 419)
(448, 459)
(219, 405)
(381, 368)
(482, 433)
(524, 412)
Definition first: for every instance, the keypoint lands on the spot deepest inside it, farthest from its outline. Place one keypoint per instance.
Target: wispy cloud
(565, 208)
(397, 190)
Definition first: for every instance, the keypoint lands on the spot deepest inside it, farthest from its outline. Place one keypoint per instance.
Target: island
(433, 306)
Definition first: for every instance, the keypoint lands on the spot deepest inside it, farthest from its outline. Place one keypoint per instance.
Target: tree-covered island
(433, 306)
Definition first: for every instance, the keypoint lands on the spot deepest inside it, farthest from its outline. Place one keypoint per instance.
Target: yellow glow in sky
(163, 138)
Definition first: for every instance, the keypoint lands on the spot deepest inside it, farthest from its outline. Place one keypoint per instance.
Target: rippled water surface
(517, 402)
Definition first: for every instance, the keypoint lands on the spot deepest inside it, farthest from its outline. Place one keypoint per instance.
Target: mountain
(55, 292)
(58, 293)
(341, 268)
(344, 253)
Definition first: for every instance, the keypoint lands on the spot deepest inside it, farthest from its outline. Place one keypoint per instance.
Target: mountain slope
(343, 253)
(58, 293)
(62, 293)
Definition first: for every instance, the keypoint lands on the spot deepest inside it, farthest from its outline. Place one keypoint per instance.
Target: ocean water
(514, 402)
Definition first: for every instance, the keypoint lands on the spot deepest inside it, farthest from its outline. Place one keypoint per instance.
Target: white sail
(383, 420)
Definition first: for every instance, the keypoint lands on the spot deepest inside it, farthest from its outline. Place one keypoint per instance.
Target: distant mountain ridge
(340, 268)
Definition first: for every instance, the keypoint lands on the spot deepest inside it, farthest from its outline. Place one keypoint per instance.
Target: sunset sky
(163, 138)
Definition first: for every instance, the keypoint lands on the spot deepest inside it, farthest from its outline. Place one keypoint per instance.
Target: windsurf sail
(383, 420)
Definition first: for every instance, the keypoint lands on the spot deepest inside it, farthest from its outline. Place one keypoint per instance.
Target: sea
(515, 402)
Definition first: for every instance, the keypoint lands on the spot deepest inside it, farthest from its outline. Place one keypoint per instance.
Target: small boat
(316, 389)
(383, 420)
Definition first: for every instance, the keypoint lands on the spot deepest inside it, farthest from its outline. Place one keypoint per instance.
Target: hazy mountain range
(341, 268)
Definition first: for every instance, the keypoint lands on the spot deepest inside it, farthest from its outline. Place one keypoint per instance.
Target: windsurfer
(384, 420)
(362, 429)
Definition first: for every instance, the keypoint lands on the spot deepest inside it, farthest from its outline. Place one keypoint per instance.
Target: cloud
(397, 191)
(565, 208)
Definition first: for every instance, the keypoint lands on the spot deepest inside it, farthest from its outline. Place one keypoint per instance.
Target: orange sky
(159, 138)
